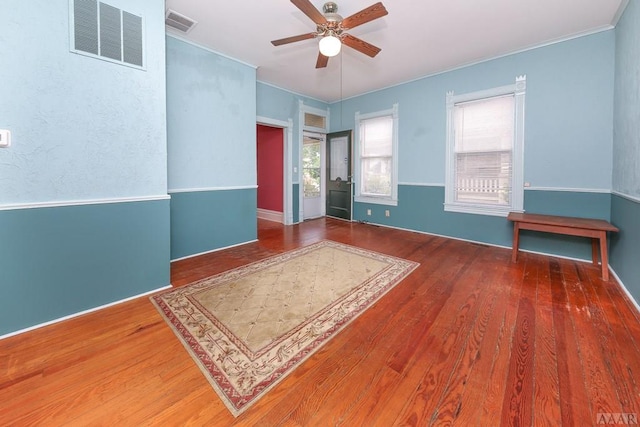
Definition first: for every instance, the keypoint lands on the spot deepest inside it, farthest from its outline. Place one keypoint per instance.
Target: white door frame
(322, 139)
(287, 138)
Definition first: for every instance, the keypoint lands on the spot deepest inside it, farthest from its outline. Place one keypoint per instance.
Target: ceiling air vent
(179, 22)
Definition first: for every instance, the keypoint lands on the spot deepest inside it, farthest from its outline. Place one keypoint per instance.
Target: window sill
(376, 200)
(480, 209)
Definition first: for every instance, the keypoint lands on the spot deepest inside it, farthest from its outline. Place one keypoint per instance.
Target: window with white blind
(377, 157)
(485, 141)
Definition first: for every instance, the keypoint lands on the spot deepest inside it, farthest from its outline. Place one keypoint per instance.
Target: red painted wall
(270, 168)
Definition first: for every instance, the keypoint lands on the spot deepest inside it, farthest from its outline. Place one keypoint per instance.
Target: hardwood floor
(467, 339)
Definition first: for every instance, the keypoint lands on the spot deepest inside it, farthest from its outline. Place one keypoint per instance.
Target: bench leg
(516, 242)
(603, 255)
(594, 250)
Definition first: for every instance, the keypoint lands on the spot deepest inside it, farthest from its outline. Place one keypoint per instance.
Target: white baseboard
(271, 215)
(214, 250)
(622, 286)
(626, 291)
(91, 310)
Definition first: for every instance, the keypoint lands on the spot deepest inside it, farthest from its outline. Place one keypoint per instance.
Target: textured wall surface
(625, 206)
(211, 119)
(626, 133)
(568, 113)
(279, 104)
(82, 128)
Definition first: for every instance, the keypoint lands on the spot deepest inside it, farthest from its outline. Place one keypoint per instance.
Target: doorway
(339, 175)
(313, 175)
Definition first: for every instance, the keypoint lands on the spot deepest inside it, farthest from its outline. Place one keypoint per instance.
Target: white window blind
(485, 150)
(376, 155)
(484, 134)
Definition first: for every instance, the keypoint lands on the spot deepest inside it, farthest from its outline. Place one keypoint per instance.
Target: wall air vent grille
(179, 22)
(106, 32)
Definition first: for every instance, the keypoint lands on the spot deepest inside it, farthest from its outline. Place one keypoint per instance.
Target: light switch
(5, 138)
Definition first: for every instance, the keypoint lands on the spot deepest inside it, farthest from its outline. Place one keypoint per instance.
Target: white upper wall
(626, 129)
(82, 128)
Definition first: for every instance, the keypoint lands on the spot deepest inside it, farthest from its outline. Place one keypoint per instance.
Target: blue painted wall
(206, 220)
(211, 128)
(568, 139)
(420, 208)
(62, 260)
(569, 111)
(279, 104)
(82, 128)
(87, 134)
(211, 119)
(625, 206)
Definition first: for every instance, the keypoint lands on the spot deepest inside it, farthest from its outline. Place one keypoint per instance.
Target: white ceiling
(418, 37)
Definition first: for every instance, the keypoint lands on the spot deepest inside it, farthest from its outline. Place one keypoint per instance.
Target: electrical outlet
(386, 213)
(5, 138)
(368, 212)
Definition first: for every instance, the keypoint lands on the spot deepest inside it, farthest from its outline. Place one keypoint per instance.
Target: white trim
(471, 64)
(37, 205)
(619, 12)
(585, 260)
(516, 204)
(570, 190)
(287, 149)
(262, 120)
(565, 189)
(91, 310)
(321, 137)
(422, 184)
(391, 200)
(627, 196)
(271, 215)
(375, 200)
(195, 190)
(288, 176)
(291, 92)
(214, 250)
(302, 109)
(626, 291)
(182, 39)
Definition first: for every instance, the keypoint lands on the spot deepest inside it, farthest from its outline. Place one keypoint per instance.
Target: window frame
(518, 90)
(391, 200)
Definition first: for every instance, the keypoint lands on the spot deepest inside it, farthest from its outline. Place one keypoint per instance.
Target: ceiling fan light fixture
(330, 45)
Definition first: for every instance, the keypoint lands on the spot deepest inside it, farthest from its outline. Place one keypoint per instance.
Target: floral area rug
(249, 327)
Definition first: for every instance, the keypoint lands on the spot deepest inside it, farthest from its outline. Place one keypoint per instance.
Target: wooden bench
(596, 229)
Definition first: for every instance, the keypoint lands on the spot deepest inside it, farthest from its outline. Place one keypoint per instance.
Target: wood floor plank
(518, 397)
(620, 362)
(469, 338)
(575, 406)
(546, 392)
(598, 382)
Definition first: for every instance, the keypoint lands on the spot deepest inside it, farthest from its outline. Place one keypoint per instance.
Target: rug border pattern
(238, 402)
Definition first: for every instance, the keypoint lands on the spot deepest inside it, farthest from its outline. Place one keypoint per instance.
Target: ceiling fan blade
(308, 9)
(370, 13)
(322, 61)
(360, 45)
(293, 39)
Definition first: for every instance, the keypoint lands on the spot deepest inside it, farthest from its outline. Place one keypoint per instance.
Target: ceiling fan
(332, 28)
